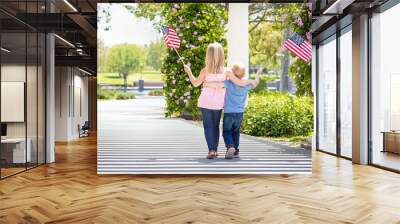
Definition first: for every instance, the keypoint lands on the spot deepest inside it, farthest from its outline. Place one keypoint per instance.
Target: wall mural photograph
(204, 88)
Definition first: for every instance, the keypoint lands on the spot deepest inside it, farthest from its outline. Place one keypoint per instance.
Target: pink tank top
(212, 98)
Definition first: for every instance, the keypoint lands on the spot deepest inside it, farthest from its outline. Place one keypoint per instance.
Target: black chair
(84, 130)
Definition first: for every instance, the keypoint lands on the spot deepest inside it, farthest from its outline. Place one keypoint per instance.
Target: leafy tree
(124, 59)
(101, 55)
(155, 54)
(285, 19)
(104, 16)
(197, 24)
(265, 44)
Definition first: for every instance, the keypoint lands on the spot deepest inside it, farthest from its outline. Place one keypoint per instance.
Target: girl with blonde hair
(211, 100)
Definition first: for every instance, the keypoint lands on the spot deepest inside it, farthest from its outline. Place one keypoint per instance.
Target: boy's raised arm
(237, 81)
(257, 79)
(259, 71)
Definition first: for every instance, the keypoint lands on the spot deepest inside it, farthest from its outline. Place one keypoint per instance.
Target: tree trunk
(284, 82)
(125, 82)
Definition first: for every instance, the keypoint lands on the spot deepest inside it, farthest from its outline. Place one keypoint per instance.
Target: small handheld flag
(301, 48)
(171, 39)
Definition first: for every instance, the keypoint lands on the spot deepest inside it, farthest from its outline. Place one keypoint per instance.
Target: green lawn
(267, 78)
(114, 79)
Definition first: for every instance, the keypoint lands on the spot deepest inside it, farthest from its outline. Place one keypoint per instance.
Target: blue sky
(126, 28)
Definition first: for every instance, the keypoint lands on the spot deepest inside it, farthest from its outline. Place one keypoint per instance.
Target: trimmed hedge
(276, 114)
(156, 92)
(106, 94)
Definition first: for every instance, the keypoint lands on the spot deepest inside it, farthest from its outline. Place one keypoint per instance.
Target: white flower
(187, 46)
(173, 90)
(173, 82)
(180, 34)
(183, 41)
(192, 46)
(195, 32)
(187, 79)
(194, 22)
(186, 101)
(188, 97)
(187, 26)
(170, 94)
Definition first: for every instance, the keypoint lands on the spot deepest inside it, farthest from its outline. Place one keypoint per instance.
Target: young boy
(234, 106)
(235, 103)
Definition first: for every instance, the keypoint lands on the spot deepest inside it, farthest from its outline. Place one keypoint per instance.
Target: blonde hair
(215, 59)
(238, 70)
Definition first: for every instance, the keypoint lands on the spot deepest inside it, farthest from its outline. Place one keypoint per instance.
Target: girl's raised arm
(195, 82)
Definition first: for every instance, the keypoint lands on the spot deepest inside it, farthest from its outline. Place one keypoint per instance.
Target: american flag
(170, 37)
(299, 47)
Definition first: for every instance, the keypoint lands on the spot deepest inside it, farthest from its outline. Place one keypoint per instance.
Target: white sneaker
(230, 153)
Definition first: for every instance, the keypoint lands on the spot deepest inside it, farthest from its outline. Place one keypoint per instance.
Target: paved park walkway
(134, 137)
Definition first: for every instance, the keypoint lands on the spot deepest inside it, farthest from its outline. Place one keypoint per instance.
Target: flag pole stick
(180, 58)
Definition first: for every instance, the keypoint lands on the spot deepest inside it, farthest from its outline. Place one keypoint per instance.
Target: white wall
(238, 34)
(80, 110)
(62, 83)
(71, 102)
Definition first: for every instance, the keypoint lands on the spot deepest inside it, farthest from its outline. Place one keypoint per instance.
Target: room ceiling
(327, 13)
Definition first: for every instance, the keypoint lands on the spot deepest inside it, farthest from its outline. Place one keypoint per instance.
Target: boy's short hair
(238, 70)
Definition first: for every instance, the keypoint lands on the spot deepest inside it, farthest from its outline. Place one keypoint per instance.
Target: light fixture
(70, 5)
(64, 40)
(5, 50)
(86, 72)
(338, 6)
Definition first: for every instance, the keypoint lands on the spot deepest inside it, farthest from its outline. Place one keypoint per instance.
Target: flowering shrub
(197, 24)
(276, 114)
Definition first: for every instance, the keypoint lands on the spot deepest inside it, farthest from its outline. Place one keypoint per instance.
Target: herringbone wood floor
(70, 191)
